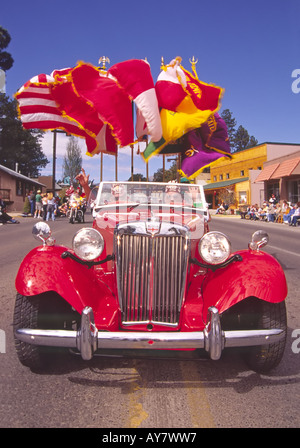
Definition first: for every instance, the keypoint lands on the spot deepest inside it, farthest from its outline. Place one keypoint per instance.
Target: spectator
(271, 212)
(50, 207)
(4, 217)
(222, 208)
(287, 217)
(38, 205)
(31, 198)
(263, 212)
(296, 215)
(44, 203)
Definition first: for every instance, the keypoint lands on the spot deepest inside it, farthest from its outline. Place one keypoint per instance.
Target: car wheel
(264, 358)
(253, 313)
(44, 311)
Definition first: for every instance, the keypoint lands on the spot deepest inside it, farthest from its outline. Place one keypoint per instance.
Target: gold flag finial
(102, 61)
(193, 63)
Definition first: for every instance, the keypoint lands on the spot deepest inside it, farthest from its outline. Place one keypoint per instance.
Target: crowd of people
(46, 206)
(274, 211)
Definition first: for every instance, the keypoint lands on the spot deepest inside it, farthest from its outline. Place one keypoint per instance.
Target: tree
(73, 160)
(239, 138)
(170, 174)
(18, 145)
(6, 60)
(138, 177)
(242, 140)
(231, 124)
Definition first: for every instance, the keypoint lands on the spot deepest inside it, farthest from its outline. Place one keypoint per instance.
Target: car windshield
(150, 193)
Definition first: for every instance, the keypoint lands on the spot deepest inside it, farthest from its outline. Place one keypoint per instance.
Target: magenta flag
(203, 146)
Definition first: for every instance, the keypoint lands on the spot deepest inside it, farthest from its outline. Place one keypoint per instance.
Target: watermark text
(2, 341)
(296, 82)
(296, 342)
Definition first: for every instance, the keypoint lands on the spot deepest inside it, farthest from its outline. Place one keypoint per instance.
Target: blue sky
(250, 48)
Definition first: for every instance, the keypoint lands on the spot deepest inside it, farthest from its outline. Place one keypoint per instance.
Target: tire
(45, 311)
(254, 314)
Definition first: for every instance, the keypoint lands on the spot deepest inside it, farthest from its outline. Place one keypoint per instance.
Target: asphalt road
(135, 392)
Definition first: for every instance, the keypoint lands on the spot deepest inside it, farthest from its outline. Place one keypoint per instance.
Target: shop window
(19, 188)
(242, 197)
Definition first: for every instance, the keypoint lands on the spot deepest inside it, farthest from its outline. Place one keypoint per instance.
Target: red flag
(76, 108)
(109, 100)
(170, 86)
(135, 77)
(204, 96)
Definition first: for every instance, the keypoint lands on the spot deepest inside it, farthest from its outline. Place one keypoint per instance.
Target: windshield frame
(158, 189)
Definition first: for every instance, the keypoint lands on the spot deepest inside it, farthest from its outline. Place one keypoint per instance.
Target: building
(47, 181)
(281, 177)
(14, 187)
(241, 175)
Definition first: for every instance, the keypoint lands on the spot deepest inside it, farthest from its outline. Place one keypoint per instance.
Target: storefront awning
(285, 168)
(225, 183)
(267, 172)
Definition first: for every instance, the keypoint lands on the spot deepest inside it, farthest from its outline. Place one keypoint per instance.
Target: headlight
(88, 244)
(214, 247)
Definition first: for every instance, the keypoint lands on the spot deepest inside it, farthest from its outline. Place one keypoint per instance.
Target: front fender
(43, 269)
(258, 274)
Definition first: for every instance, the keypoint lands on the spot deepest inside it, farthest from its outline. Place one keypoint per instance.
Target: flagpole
(102, 61)
(131, 162)
(54, 161)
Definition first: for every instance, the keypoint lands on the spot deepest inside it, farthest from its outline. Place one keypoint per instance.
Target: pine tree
(73, 160)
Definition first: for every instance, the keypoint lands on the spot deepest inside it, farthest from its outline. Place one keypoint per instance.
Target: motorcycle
(75, 212)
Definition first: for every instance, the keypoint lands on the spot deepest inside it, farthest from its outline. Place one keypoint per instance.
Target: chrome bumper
(88, 339)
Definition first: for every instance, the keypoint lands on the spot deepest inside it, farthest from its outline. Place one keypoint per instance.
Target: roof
(224, 183)
(278, 170)
(47, 181)
(267, 172)
(286, 168)
(20, 176)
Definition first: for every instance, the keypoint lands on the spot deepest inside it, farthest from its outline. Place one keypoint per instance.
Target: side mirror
(41, 231)
(259, 240)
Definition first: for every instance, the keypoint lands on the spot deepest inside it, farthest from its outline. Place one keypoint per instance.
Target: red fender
(43, 269)
(259, 275)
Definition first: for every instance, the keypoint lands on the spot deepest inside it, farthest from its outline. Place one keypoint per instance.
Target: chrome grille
(151, 271)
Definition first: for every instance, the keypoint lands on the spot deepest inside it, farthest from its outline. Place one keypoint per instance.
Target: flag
(186, 102)
(109, 100)
(135, 77)
(98, 135)
(204, 96)
(196, 155)
(38, 109)
(170, 86)
(174, 126)
(214, 134)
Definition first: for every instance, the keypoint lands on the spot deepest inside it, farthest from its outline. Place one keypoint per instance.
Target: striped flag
(38, 109)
